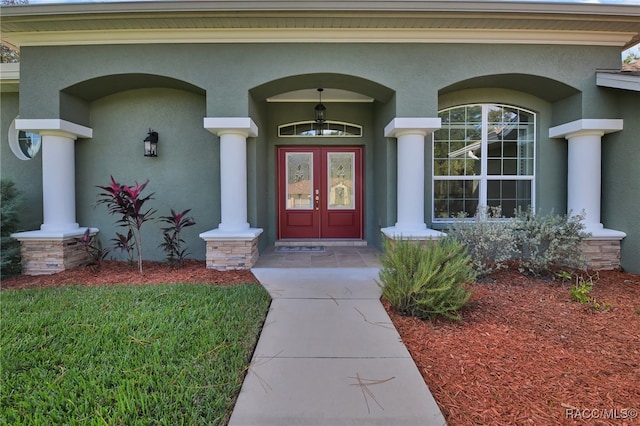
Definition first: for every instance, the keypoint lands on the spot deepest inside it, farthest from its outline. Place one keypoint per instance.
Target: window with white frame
(24, 145)
(483, 155)
(326, 129)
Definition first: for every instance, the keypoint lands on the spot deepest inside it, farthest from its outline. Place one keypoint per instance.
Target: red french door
(320, 192)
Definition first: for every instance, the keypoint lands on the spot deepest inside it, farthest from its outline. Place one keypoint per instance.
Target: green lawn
(163, 355)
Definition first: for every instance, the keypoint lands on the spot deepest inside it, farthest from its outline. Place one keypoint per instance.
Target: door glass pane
(299, 180)
(341, 175)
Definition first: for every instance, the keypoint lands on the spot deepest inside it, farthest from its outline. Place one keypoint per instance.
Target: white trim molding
(53, 235)
(602, 126)
(241, 125)
(319, 35)
(420, 125)
(333, 21)
(618, 80)
(52, 125)
(10, 72)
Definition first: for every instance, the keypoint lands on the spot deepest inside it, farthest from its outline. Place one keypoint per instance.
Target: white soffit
(332, 21)
(586, 125)
(9, 77)
(618, 80)
(10, 71)
(320, 35)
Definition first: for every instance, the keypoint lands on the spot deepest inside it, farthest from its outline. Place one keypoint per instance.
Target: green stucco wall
(26, 174)
(415, 72)
(185, 175)
(122, 90)
(621, 180)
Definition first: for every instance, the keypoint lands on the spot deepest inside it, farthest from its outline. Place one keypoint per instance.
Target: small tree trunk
(139, 248)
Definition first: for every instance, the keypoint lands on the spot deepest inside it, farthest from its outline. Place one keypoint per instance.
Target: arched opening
(344, 154)
(541, 87)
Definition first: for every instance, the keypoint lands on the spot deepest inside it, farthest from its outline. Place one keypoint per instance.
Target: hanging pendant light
(320, 108)
(320, 111)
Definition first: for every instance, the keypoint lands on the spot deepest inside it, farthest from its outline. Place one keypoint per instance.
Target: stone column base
(45, 255)
(601, 254)
(231, 251)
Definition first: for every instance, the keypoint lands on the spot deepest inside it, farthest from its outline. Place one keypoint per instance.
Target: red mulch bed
(524, 353)
(114, 273)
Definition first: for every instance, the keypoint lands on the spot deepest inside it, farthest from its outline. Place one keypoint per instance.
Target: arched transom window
(325, 129)
(483, 155)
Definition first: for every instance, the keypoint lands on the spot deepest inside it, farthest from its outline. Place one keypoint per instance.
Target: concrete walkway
(329, 355)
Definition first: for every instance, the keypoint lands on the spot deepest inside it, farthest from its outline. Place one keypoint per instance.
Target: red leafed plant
(172, 242)
(128, 203)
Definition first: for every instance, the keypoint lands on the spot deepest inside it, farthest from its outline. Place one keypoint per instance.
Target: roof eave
(32, 25)
(483, 6)
(618, 80)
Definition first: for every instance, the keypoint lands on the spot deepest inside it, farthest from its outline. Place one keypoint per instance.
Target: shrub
(128, 203)
(537, 244)
(548, 241)
(581, 290)
(172, 242)
(489, 239)
(10, 201)
(93, 246)
(125, 243)
(426, 280)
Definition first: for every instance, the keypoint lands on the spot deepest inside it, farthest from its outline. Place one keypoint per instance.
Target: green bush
(547, 242)
(426, 280)
(10, 201)
(489, 239)
(537, 244)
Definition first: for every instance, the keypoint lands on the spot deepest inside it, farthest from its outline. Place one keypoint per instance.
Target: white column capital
(412, 125)
(224, 125)
(586, 127)
(54, 126)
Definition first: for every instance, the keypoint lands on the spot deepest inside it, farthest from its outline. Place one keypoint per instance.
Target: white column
(233, 180)
(58, 174)
(584, 180)
(411, 133)
(584, 169)
(58, 181)
(233, 133)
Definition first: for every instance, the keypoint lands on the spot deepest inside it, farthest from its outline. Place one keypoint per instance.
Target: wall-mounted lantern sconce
(151, 144)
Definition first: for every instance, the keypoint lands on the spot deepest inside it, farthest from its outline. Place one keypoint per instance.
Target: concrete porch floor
(336, 254)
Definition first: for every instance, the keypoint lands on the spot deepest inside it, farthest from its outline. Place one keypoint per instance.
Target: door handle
(317, 199)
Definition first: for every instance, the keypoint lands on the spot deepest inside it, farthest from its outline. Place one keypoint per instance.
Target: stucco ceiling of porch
(99, 87)
(357, 88)
(542, 87)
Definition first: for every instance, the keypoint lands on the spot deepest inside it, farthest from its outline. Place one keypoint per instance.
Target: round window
(25, 145)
